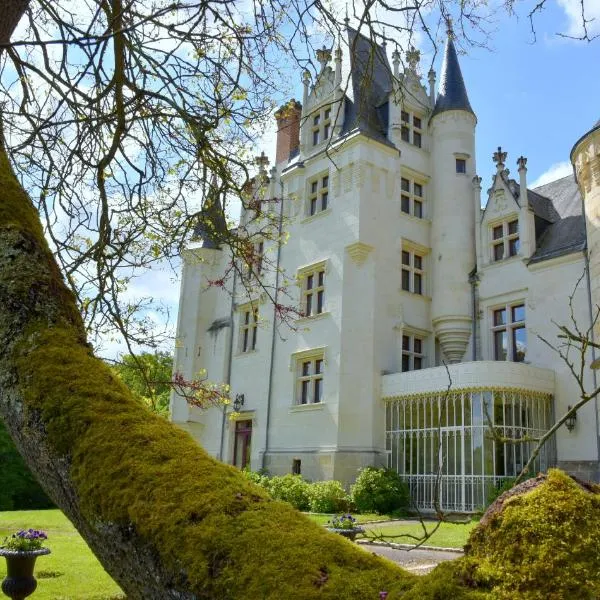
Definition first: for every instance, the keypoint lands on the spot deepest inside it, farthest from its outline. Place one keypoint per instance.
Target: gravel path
(418, 561)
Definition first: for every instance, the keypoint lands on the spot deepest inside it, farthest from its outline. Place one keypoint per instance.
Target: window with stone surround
(312, 280)
(413, 271)
(509, 332)
(309, 378)
(248, 328)
(413, 352)
(321, 126)
(411, 128)
(412, 197)
(318, 195)
(504, 239)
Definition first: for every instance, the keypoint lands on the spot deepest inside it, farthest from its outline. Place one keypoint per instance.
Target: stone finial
(262, 161)
(412, 58)
(306, 83)
(323, 56)
(499, 157)
(396, 62)
(521, 163)
(338, 63)
(431, 77)
(477, 182)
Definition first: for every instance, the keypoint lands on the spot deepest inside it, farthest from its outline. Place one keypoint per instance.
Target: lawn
(448, 535)
(322, 519)
(71, 572)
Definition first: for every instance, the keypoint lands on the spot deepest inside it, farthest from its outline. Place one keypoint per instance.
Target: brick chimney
(288, 130)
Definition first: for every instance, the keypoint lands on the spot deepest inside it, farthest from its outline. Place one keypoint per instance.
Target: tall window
(505, 239)
(318, 198)
(411, 128)
(248, 328)
(321, 126)
(309, 380)
(510, 334)
(461, 165)
(411, 199)
(242, 444)
(254, 260)
(412, 272)
(313, 292)
(412, 353)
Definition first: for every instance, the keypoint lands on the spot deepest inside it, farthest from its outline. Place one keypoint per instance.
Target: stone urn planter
(347, 533)
(19, 581)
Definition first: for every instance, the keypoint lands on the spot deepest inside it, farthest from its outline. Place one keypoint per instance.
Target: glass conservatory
(480, 436)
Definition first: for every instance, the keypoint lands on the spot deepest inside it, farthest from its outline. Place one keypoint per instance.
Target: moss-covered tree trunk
(165, 519)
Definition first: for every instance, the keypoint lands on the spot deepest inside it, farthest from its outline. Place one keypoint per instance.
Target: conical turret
(452, 93)
(452, 127)
(211, 227)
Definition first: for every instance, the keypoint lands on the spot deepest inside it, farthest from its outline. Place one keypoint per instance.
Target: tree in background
(148, 375)
(18, 488)
(115, 113)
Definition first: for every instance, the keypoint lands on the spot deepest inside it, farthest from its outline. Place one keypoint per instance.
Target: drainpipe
(270, 389)
(473, 281)
(591, 312)
(229, 362)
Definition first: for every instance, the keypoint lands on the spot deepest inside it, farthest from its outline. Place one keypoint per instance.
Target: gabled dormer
(508, 222)
(323, 106)
(410, 104)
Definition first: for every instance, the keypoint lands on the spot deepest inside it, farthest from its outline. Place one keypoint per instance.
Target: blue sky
(532, 98)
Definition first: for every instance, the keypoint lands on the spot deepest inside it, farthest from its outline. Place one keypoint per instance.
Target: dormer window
(505, 240)
(411, 128)
(321, 126)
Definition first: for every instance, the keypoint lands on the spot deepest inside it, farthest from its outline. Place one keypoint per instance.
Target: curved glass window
(476, 438)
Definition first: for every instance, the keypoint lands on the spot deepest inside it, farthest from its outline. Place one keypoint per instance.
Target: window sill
(307, 407)
(505, 261)
(413, 295)
(322, 315)
(248, 353)
(321, 213)
(417, 219)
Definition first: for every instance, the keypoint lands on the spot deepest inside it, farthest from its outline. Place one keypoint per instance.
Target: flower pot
(19, 581)
(347, 533)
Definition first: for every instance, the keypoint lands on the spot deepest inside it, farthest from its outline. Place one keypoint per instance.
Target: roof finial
(384, 43)
(499, 157)
(347, 18)
(412, 58)
(323, 56)
(449, 28)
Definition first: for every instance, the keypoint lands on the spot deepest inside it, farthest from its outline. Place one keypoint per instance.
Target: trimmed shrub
(258, 477)
(380, 490)
(327, 497)
(290, 488)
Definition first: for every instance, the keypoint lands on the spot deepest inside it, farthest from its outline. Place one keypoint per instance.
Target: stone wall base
(324, 465)
(588, 470)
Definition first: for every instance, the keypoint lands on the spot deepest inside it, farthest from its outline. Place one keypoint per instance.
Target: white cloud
(573, 11)
(556, 171)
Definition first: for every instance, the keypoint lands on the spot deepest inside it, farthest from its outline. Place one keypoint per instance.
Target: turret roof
(452, 94)
(211, 226)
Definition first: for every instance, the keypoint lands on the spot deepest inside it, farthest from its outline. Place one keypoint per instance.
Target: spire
(211, 226)
(452, 94)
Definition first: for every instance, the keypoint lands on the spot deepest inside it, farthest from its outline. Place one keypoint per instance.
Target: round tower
(585, 157)
(452, 126)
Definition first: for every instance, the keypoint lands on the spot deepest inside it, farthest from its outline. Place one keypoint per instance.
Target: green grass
(322, 519)
(71, 572)
(448, 535)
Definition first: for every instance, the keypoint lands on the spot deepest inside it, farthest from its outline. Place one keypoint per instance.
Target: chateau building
(422, 317)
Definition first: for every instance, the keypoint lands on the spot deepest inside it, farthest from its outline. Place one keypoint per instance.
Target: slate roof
(369, 87)
(560, 201)
(211, 226)
(452, 93)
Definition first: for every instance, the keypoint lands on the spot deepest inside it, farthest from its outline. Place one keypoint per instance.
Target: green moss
(204, 518)
(544, 544)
